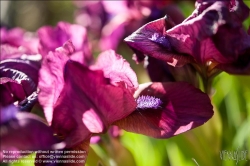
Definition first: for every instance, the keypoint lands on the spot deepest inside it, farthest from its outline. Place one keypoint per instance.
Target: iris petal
(183, 108)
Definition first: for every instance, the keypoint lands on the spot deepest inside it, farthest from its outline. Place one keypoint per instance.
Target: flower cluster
(199, 39)
(83, 97)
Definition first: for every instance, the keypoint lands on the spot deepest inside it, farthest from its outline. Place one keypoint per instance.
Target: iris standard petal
(117, 69)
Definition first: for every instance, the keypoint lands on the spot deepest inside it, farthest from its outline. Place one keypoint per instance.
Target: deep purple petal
(22, 131)
(234, 43)
(182, 108)
(215, 19)
(233, 30)
(240, 66)
(96, 104)
(19, 79)
(151, 40)
(160, 71)
(5, 95)
(192, 36)
(11, 91)
(28, 67)
(201, 34)
(237, 8)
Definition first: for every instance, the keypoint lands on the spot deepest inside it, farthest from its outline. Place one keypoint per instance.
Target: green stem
(206, 79)
(207, 85)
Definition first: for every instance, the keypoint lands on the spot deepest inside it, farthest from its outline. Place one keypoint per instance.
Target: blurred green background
(229, 129)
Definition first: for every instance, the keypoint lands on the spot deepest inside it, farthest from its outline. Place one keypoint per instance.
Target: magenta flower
(54, 37)
(198, 39)
(81, 100)
(92, 109)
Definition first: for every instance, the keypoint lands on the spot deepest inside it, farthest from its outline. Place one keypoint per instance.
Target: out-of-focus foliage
(229, 129)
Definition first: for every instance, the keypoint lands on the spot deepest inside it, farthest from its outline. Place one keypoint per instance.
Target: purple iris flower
(112, 21)
(54, 37)
(160, 71)
(23, 132)
(80, 100)
(90, 104)
(26, 133)
(211, 39)
(167, 109)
